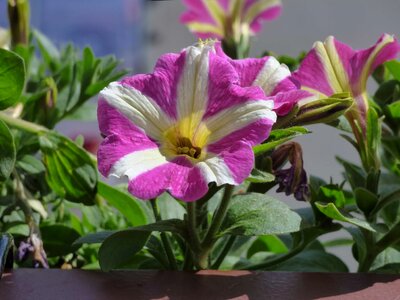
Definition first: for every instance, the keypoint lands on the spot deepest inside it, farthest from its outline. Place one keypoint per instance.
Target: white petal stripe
(192, 87)
(237, 117)
(215, 170)
(271, 75)
(136, 163)
(138, 108)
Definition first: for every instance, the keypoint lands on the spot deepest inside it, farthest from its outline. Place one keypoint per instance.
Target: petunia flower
(333, 67)
(185, 125)
(229, 18)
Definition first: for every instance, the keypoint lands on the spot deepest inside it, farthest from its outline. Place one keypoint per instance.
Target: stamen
(184, 146)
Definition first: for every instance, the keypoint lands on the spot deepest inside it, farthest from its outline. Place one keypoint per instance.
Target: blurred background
(139, 31)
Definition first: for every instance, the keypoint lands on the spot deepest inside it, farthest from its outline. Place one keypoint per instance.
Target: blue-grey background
(139, 31)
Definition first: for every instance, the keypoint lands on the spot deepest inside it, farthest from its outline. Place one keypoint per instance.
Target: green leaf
(12, 78)
(391, 268)
(173, 225)
(312, 261)
(94, 238)
(7, 152)
(354, 174)
(58, 239)
(333, 212)
(366, 201)
(332, 193)
(48, 51)
(394, 68)
(258, 176)
(394, 110)
(388, 256)
(387, 92)
(257, 214)
(70, 172)
(170, 208)
(267, 243)
(278, 137)
(117, 249)
(31, 164)
(124, 203)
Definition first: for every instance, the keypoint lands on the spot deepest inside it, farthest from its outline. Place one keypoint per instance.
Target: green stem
(192, 226)
(22, 124)
(34, 231)
(371, 251)
(225, 250)
(165, 238)
(390, 238)
(216, 223)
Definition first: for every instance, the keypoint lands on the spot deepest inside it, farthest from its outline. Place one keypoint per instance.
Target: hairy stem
(218, 218)
(35, 239)
(22, 124)
(225, 250)
(165, 238)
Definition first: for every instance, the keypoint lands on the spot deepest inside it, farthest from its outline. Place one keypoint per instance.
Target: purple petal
(252, 134)
(270, 14)
(224, 88)
(122, 137)
(161, 85)
(240, 160)
(183, 180)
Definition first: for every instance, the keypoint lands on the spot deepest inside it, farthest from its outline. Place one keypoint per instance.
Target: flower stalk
(166, 241)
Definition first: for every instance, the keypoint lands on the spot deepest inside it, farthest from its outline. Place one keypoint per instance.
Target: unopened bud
(324, 110)
(19, 15)
(294, 179)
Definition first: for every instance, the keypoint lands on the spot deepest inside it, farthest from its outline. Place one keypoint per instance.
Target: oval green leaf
(12, 78)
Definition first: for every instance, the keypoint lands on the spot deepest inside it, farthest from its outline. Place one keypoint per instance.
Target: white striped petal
(143, 111)
(192, 88)
(138, 162)
(234, 118)
(215, 170)
(271, 75)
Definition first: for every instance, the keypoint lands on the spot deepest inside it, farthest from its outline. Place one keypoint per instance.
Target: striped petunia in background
(228, 18)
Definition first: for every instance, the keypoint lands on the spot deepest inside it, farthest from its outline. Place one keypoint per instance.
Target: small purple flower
(229, 18)
(24, 250)
(33, 248)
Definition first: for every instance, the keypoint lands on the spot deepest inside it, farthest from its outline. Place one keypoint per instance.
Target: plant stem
(192, 227)
(22, 124)
(35, 238)
(165, 238)
(390, 238)
(224, 252)
(216, 223)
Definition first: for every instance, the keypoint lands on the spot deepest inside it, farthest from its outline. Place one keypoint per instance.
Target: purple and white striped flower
(333, 67)
(229, 18)
(187, 124)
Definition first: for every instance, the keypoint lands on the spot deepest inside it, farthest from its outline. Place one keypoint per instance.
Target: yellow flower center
(186, 139)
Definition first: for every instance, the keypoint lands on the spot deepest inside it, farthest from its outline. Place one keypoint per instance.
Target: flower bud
(294, 179)
(19, 15)
(323, 110)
